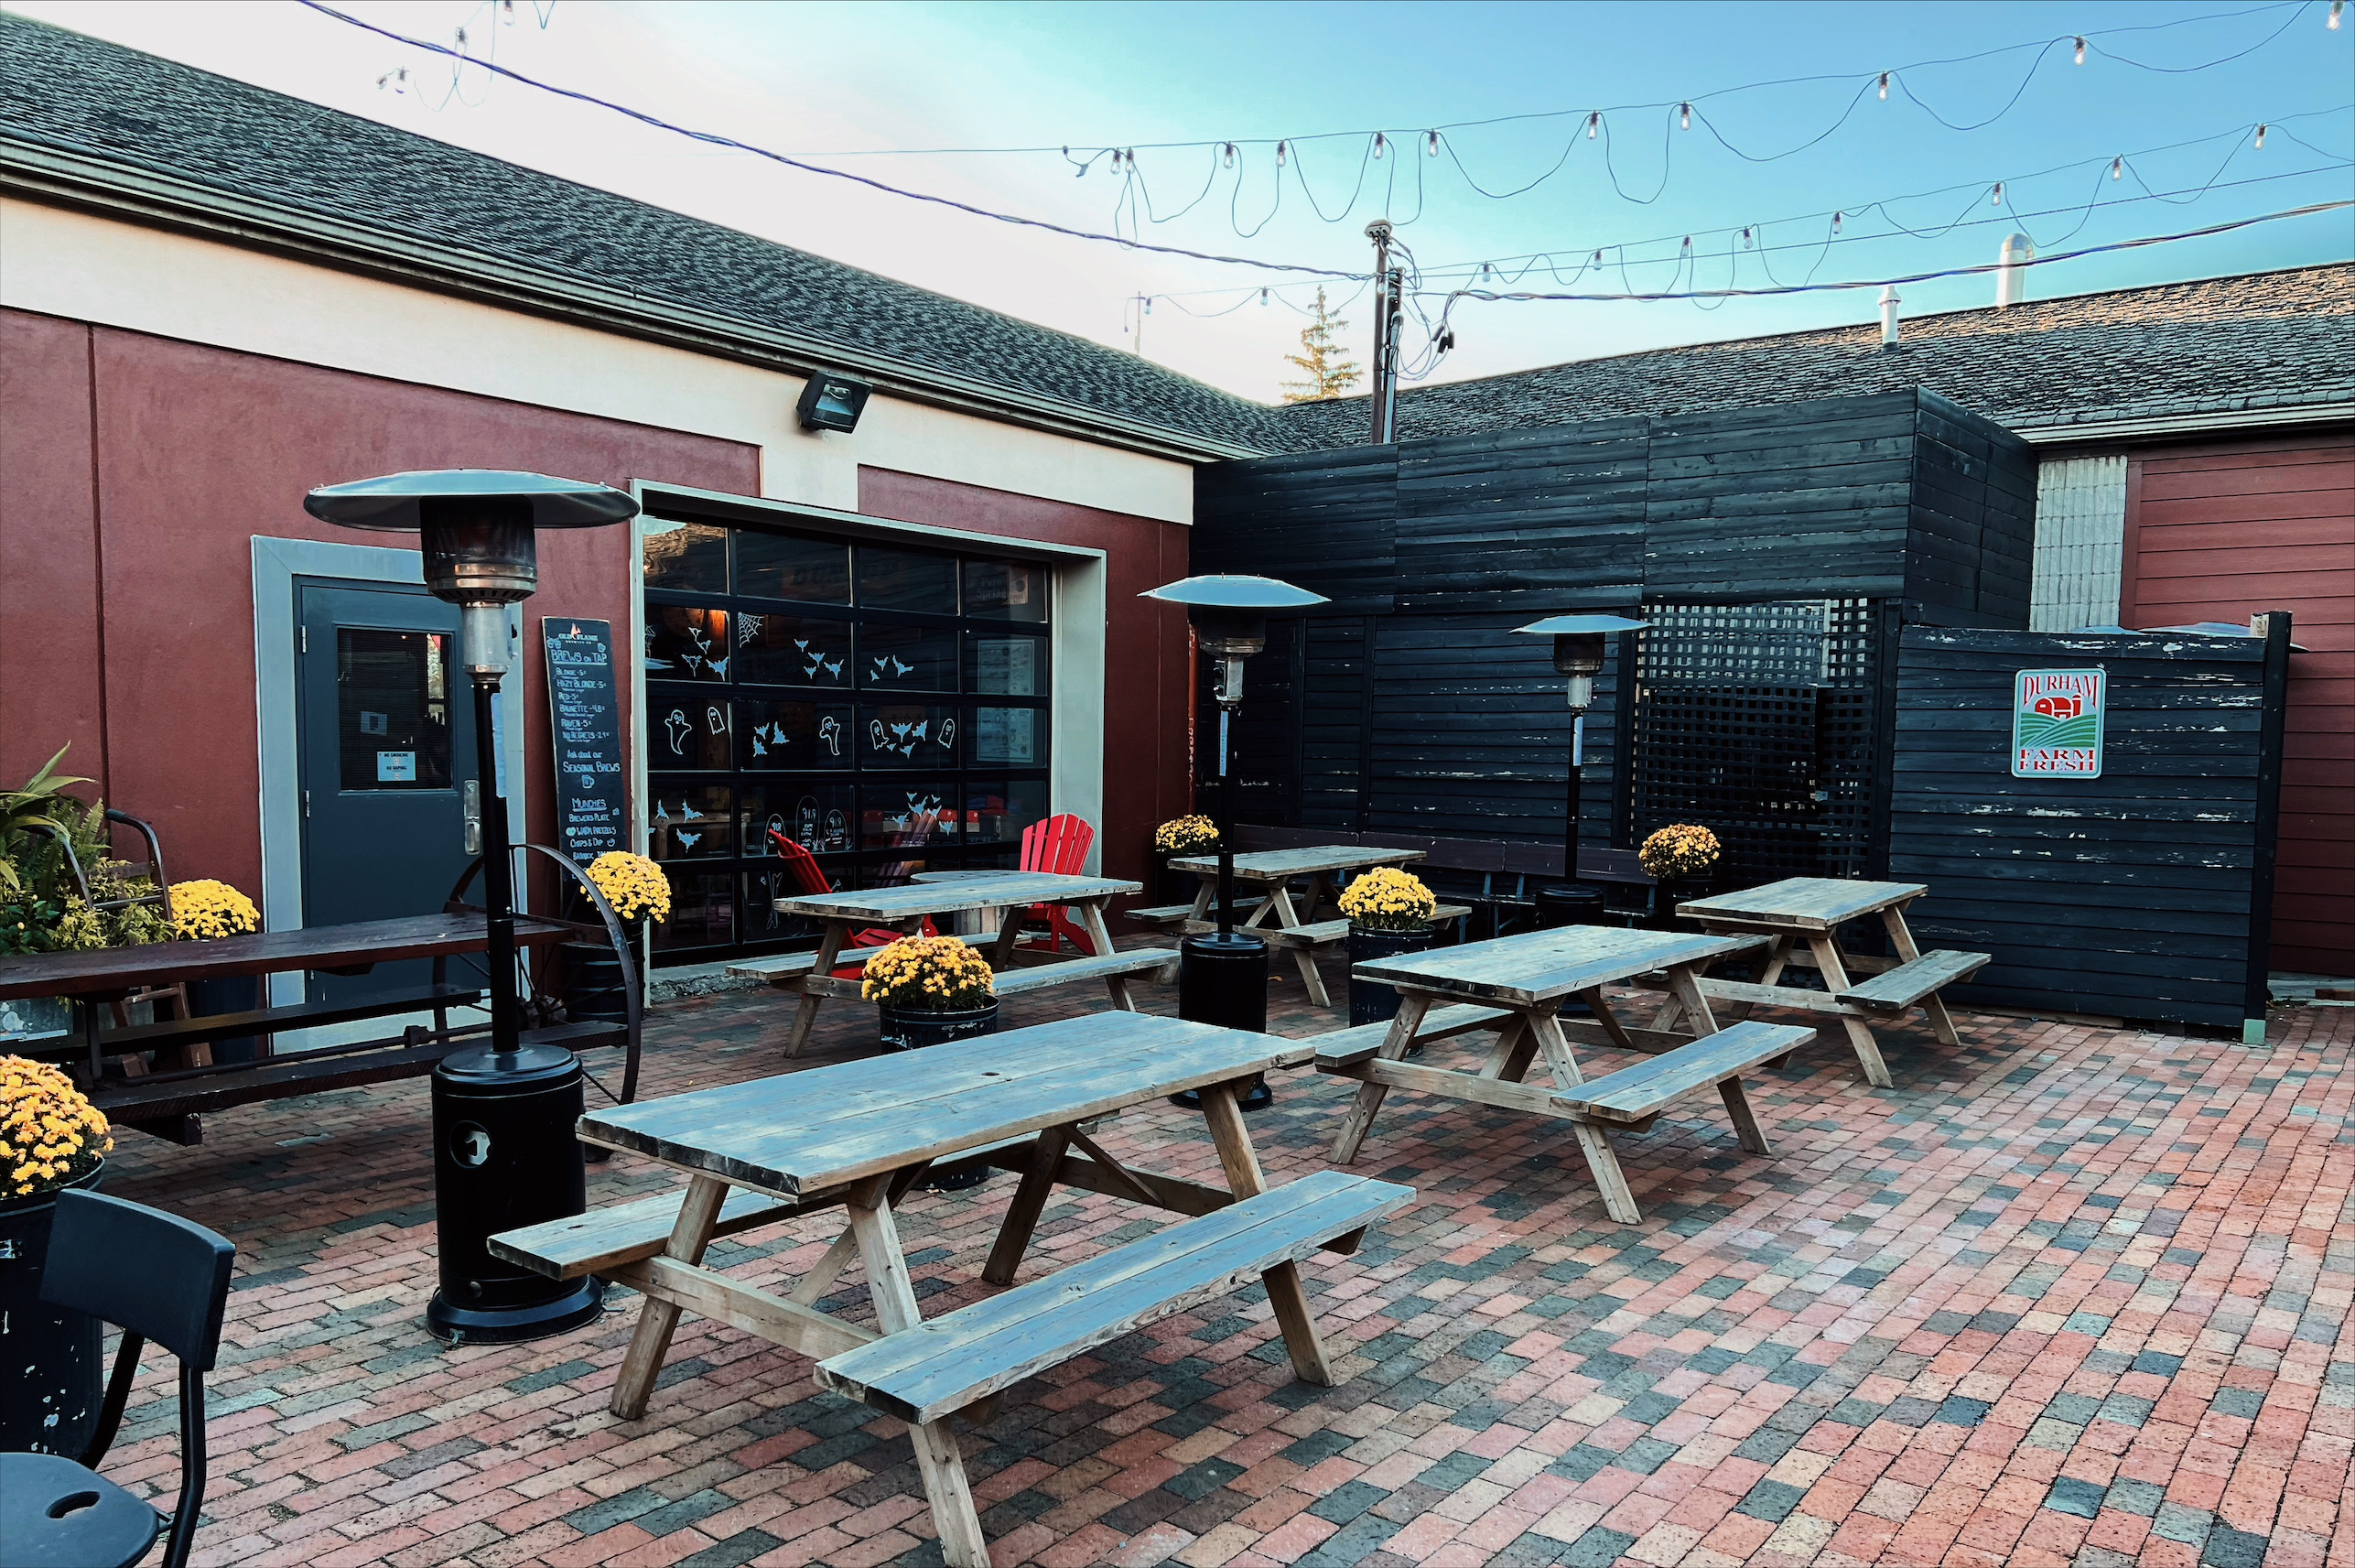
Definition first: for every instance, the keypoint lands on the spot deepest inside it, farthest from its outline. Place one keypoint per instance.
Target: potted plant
(638, 892)
(52, 1138)
(1390, 913)
(1179, 837)
(1681, 853)
(204, 910)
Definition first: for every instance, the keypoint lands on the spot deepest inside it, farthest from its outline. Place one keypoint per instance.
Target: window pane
(690, 821)
(392, 703)
(773, 737)
(703, 910)
(779, 565)
(1006, 666)
(906, 579)
(1005, 590)
(817, 817)
(686, 644)
(907, 735)
(997, 812)
(690, 555)
(792, 650)
(686, 732)
(906, 658)
(1009, 737)
(905, 819)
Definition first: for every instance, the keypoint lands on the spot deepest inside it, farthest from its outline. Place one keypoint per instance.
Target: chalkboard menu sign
(587, 729)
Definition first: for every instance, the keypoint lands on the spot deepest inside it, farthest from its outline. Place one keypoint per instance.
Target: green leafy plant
(30, 817)
(29, 925)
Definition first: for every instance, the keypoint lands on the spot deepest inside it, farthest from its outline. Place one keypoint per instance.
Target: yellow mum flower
(1388, 899)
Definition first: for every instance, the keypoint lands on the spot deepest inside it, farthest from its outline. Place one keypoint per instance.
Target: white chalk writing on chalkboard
(586, 720)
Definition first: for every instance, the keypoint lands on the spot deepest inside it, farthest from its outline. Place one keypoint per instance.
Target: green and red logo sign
(2057, 724)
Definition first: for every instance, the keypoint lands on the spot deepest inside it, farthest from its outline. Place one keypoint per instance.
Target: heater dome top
(1581, 625)
(1222, 592)
(391, 503)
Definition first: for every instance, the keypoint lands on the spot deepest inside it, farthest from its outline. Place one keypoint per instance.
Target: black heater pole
(1226, 831)
(498, 871)
(1570, 819)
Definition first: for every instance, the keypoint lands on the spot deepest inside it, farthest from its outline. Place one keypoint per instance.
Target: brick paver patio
(2065, 1295)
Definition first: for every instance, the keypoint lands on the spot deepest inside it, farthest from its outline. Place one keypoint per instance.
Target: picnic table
(904, 909)
(857, 1135)
(1805, 913)
(166, 1103)
(1516, 987)
(1296, 925)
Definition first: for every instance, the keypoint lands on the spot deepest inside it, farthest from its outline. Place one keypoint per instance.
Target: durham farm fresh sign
(2057, 724)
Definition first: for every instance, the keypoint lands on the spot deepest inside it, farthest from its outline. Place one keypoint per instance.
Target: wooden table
(1276, 870)
(1528, 977)
(156, 1101)
(905, 908)
(1806, 911)
(857, 1135)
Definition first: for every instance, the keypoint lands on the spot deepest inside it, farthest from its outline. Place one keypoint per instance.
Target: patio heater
(1222, 974)
(503, 1151)
(1579, 647)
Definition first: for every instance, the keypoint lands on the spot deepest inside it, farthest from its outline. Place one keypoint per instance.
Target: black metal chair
(158, 1277)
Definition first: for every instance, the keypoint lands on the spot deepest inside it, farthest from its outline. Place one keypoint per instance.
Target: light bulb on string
(2117, 168)
(1230, 155)
(1381, 144)
(1684, 116)
(1836, 218)
(2335, 7)
(1745, 239)
(1996, 197)
(2080, 51)
(1885, 87)
(2261, 138)
(1281, 147)
(1431, 143)
(1593, 121)
(1263, 299)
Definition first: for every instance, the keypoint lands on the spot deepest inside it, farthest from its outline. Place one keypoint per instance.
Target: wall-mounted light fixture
(832, 402)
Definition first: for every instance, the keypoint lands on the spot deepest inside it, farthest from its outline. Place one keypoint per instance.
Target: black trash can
(1569, 903)
(504, 1156)
(1224, 980)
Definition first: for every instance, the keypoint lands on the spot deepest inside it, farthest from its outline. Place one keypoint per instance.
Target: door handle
(473, 800)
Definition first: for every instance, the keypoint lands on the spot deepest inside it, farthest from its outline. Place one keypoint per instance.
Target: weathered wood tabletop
(860, 1133)
(1803, 914)
(1529, 977)
(1322, 864)
(905, 907)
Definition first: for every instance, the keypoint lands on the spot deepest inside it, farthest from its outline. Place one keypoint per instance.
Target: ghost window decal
(679, 729)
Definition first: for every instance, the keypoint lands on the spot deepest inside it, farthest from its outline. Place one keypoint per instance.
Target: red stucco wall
(134, 472)
(1145, 672)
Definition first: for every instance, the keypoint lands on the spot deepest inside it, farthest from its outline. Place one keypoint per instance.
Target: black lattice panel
(1755, 720)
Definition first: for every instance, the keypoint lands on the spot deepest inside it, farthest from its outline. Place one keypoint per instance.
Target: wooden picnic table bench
(856, 1135)
(811, 975)
(1805, 913)
(1516, 986)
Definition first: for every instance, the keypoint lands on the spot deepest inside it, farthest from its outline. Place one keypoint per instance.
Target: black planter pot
(237, 993)
(913, 1029)
(1174, 887)
(1371, 1001)
(592, 992)
(55, 1370)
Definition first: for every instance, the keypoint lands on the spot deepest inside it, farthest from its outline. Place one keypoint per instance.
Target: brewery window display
(882, 708)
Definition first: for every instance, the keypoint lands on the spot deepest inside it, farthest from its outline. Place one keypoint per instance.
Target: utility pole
(1389, 286)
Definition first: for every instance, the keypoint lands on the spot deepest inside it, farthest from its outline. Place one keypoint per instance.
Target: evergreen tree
(1328, 369)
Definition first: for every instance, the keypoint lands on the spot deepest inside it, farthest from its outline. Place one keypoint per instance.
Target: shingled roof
(2221, 346)
(63, 91)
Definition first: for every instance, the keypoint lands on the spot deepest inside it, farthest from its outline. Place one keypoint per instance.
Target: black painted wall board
(1325, 521)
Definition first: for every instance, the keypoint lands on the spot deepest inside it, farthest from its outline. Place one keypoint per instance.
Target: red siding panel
(1146, 669)
(2223, 531)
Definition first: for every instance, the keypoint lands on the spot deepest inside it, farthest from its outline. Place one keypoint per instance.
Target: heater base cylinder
(1224, 980)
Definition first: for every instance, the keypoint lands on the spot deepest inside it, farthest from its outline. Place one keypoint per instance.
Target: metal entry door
(388, 765)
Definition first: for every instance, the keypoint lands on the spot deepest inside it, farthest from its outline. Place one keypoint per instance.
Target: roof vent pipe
(1889, 301)
(2011, 275)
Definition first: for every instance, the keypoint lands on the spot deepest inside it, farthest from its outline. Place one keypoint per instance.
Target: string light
(1745, 239)
(1431, 142)
(397, 79)
(1885, 87)
(1593, 121)
(2080, 51)
(1230, 155)
(2261, 138)
(2117, 169)
(1996, 197)
(1381, 144)
(1263, 299)
(2335, 7)
(1836, 218)
(1280, 148)
(1684, 116)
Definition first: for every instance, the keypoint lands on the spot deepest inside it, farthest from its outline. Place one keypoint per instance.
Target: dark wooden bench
(1902, 986)
(953, 1362)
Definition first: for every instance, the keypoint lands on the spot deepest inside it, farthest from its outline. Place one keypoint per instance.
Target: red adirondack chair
(1058, 845)
(809, 879)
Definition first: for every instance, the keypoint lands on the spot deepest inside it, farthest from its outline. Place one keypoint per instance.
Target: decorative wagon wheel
(542, 1001)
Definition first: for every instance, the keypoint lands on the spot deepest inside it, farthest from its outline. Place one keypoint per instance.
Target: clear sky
(895, 82)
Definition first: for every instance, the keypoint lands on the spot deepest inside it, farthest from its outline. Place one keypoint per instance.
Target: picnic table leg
(1510, 1058)
(1940, 1023)
(1245, 1180)
(1619, 1198)
(1603, 1015)
(1360, 1119)
(1685, 987)
(1547, 1028)
(1030, 1201)
(690, 1233)
(1091, 919)
(1835, 980)
(806, 1012)
(1280, 899)
(938, 1459)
